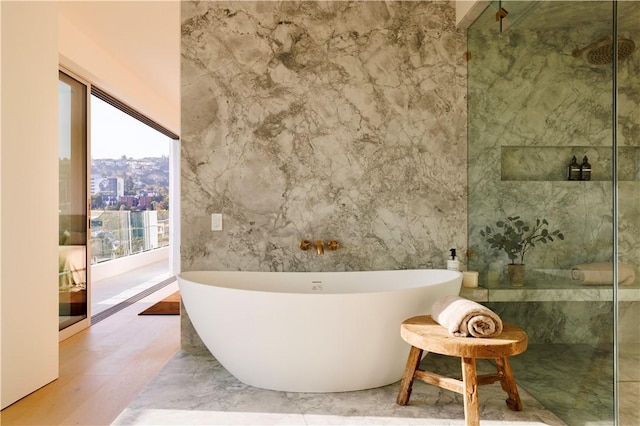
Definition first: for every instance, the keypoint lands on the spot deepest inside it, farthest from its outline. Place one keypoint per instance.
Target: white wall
(29, 198)
(97, 63)
(467, 11)
(35, 39)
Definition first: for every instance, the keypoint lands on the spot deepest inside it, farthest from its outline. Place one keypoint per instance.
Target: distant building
(148, 178)
(95, 184)
(142, 202)
(113, 187)
(109, 189)
(129, 200)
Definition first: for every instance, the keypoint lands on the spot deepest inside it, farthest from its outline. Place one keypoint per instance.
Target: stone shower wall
(322, 120)
(532, 105)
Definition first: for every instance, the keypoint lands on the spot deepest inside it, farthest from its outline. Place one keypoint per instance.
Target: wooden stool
(424, 334)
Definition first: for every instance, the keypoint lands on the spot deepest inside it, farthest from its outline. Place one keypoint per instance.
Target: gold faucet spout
(320, 246)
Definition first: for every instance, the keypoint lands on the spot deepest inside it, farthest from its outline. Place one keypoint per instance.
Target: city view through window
(129, 184)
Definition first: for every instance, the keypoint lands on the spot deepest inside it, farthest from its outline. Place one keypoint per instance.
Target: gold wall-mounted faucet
(319, 245)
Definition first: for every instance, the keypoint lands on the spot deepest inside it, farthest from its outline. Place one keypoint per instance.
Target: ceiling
(144, 36)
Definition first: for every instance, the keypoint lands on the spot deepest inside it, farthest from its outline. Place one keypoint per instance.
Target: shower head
(600, 52)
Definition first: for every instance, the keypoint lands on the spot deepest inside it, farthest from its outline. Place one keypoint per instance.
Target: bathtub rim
(455, 275)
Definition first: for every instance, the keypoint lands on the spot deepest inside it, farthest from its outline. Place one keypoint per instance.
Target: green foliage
(516, 238)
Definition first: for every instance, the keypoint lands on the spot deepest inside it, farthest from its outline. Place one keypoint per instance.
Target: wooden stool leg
(407, 377)
(470, 380)
(508, 384)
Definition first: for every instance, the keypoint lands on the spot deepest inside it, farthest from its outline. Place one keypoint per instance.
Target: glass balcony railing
(121, 233)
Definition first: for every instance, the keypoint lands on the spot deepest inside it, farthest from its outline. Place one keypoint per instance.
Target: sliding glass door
(73, 224)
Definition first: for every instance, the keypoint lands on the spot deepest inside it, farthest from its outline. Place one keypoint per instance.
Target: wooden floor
(102, 368)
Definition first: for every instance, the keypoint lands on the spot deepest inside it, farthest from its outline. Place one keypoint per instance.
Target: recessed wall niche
(549, 163)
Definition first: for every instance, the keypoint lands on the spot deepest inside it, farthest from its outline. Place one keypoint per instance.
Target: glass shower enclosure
(550, 81)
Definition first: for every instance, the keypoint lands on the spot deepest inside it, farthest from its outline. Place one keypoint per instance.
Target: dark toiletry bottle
(573, 170)
(585, 169)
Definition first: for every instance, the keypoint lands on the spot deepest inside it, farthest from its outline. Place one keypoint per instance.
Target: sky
(115, 133)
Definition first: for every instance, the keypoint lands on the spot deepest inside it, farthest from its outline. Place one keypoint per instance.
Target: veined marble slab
(549, 285)
(553, 295)
(320, 121)
(532, 294)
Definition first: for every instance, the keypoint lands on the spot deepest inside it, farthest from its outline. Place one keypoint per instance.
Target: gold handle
(333, 245)
(305, 245)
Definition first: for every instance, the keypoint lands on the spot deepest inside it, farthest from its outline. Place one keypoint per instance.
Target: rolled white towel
(602, 273)
(463, 317)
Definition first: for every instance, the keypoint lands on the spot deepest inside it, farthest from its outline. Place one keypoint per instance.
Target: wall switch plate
(216, 221)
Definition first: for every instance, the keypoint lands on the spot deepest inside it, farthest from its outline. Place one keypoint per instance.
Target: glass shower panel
(511, 13)
(539, 94)
(628, 183)
(72, 249)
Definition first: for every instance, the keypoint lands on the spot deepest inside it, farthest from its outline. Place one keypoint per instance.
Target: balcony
(129, 255)
(117, 234)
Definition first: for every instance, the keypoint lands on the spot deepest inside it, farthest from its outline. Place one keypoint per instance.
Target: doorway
(116, 168)
(130, 196)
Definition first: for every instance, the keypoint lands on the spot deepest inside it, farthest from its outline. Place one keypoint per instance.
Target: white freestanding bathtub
(311, 331)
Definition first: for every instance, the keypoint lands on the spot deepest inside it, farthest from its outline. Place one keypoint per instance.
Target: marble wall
(322, 120)
(532, 106)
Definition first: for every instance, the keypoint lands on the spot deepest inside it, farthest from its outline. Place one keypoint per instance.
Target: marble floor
(194, 389)
(576, 381)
